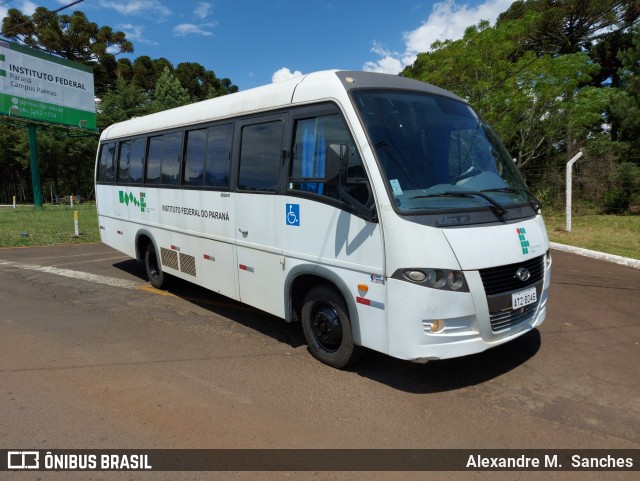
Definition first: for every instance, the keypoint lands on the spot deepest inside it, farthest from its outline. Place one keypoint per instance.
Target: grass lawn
(613, 234)
(25, 226)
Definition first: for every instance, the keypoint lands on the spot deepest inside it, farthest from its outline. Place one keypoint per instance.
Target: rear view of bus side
(379, 211)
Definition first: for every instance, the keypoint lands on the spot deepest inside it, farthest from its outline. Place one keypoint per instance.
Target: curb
(625, 261)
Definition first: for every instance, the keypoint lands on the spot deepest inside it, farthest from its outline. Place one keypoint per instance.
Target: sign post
(35, 166)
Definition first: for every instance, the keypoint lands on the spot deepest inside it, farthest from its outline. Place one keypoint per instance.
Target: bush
(624, 197)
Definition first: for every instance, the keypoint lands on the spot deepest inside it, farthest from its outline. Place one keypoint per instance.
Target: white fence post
(569, 188)
(76, 230)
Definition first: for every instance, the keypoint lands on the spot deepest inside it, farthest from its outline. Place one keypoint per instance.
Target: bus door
(259, 215)
(330, 218)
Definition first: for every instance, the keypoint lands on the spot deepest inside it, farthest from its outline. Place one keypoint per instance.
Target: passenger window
(105, 166)
(260, 154)
(136, 160)
(123, 162)
(218, 164)
(171, 153)
(311, 142)
(154, 160)
(195, 157)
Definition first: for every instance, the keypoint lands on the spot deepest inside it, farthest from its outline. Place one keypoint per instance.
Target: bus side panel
(191, 229)
(200, 232)
(317, 234)
(115, 230)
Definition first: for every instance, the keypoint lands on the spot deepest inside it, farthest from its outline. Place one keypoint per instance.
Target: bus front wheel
(327, 328)
(155, 275)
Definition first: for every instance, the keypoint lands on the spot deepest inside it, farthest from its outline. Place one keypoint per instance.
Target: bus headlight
(444, 279)
(436, 278)
(415, 276)
(455, 280)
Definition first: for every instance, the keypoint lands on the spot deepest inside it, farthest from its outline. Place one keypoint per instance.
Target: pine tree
(169, 93)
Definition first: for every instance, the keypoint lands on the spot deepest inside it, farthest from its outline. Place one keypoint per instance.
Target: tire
(156, 277)
(327, 328)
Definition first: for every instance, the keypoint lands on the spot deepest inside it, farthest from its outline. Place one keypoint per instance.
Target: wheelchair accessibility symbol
(293, 214)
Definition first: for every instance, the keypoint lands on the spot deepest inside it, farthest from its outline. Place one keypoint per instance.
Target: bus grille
(500, 282)
(508, 317)
(501, 279)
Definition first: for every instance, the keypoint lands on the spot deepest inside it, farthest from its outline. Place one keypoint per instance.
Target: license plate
(523, 298)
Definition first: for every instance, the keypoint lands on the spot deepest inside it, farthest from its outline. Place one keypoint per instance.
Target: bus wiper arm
(533, 200)
(500, 209)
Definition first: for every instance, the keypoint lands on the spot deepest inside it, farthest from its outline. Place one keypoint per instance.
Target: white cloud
(387, 63)
(26, 6)
(447, 21)
(284, 74)
(138, 7)
(185, 29)
(136, 32)
(202, 10)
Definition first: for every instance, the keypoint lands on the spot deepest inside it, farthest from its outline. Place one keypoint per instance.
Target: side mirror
(336, 164)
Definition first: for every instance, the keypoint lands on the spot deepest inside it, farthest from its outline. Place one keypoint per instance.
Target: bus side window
(171, 154)
(123, 162)
(260, 154)
(312, 138)
(194, 157)
(154, 159)
(105, 166)
(218, 163)
(136, 160)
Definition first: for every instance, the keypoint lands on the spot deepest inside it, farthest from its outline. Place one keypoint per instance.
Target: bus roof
(317, 86)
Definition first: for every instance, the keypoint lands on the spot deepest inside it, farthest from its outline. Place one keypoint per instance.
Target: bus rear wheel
(327, 328)
(155, 275)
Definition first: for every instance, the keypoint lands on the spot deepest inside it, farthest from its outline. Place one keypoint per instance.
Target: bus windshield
(437, 154)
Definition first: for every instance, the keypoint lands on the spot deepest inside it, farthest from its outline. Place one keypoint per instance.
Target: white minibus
(381, 212)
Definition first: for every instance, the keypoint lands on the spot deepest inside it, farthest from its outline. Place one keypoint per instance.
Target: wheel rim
(326, 327)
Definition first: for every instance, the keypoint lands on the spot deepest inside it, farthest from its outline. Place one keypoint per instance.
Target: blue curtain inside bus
(313, 153)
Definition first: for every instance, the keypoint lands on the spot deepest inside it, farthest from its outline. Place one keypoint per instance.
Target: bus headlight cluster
(547, 260)
(449, 280)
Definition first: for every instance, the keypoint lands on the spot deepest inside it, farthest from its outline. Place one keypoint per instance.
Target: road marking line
(85, 261)
(153, 290)
(115, 282)
(84, 276)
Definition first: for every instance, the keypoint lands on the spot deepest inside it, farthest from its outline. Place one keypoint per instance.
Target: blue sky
(256, 42)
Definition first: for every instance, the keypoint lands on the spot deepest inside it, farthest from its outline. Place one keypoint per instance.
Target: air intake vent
(508, 318)
(188, 264)
(169, 258)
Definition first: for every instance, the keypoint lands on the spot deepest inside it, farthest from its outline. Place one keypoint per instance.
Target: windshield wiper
(500, 209)
(533, 200)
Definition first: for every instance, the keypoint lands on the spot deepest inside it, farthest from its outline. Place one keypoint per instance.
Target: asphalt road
(91, 357)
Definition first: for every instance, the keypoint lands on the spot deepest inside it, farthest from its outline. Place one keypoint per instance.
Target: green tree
(122, 103)
(202, 83)
(72, 37)
(147, 71)
(571, 26)
(169, 93)
(627, 108)
(12, 172)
